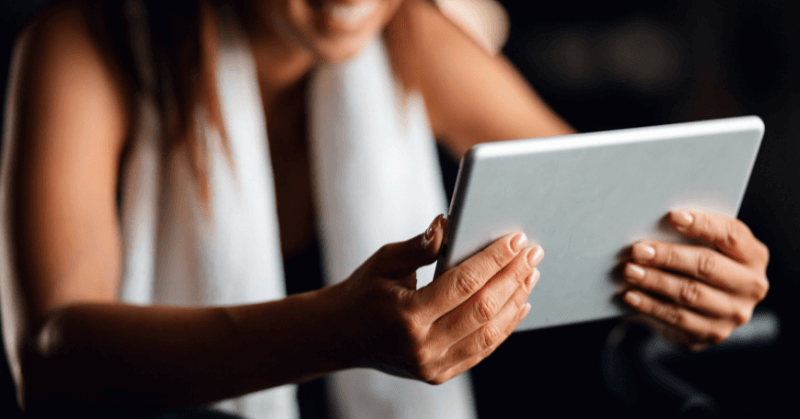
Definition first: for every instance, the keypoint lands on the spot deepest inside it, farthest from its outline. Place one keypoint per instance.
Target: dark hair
(181, 40)
(183, 45)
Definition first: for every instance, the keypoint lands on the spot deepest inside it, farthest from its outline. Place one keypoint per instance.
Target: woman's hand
(695, 296)
(439, 331)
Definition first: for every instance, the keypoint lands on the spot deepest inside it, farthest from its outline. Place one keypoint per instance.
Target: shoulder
(417, 29)
(62, 70)
(444, 63)
(471, 95)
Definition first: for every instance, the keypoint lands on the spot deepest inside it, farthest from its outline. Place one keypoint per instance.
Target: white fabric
(175, 253)
(376, 180)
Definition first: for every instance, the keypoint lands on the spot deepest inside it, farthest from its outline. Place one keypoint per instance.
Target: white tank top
(376, 180)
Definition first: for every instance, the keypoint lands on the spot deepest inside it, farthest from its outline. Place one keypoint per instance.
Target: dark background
(608, 65)
(615, 65)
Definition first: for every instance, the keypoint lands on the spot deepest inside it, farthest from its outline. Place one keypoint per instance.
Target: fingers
(475, 348)
(702, 263)
(398, 260)
(687, 292)
(459, 283)
(699, 329)
(488, 335)
(512, 285)
(728, 234)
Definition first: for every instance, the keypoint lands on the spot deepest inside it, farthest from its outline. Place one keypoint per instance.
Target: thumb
(401, 259)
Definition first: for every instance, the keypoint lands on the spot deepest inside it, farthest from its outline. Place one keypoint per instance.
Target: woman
(90, 120)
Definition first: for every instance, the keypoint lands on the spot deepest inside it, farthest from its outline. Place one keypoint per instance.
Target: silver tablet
(585, 198)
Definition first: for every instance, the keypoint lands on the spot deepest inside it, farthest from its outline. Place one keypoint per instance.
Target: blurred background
(609, 65)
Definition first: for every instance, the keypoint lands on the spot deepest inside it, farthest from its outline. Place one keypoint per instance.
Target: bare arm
(471, 96)
(68, 337)
(71, 343)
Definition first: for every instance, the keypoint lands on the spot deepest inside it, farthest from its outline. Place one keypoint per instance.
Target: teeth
(352, 15)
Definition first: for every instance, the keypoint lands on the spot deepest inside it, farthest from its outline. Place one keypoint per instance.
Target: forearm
(115, 354)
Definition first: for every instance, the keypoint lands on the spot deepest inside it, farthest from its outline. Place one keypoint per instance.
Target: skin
(72, 344)
(695, 295)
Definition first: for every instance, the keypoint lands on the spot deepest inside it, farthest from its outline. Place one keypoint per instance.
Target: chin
(342, 50)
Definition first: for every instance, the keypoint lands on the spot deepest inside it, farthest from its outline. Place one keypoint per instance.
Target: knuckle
(410, 326)
(498, 259)
(518, 298)
(410, 308)
(744, 229)
(760, 288)
(669, 314)
(718, 335)
(764, 288)
(655, 279)
(427, 374)
(706, 223)
(521, 272)
(706, 263)
(764, 253)
(689, 293)
(501, 256)
(421, 358)
(742, 316)
(467, 280)
(413, 338)
(670, 255)
(436, 381)
(735, 231)
(490, 336)
(486, 308)
(485, 354)
(383, 252)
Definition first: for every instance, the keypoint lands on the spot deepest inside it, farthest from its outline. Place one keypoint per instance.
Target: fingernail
(535, 256)
(634, 271)
(682, 218)
(431, 231)
(525, 310)
(632, 298)
(518, 242)
(532, 279)
(643, 251)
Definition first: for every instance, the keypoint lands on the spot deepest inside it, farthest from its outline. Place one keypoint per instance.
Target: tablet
(585, 198)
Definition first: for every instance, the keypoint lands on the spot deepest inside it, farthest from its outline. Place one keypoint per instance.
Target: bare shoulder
(472, 96)
(58, 54)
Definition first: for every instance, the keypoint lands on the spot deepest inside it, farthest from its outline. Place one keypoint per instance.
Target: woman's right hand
(443, 329)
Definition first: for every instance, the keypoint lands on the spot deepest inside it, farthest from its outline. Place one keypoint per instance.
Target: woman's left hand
(696, 296)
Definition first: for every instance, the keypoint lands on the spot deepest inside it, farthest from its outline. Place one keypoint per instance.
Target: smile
(351, 16)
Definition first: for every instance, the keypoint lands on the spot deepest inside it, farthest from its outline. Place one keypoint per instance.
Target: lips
(349, 16)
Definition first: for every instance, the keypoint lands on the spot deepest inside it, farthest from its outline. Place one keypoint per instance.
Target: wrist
(334, 327)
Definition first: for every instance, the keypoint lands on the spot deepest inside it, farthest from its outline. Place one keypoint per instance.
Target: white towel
(376, 180)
